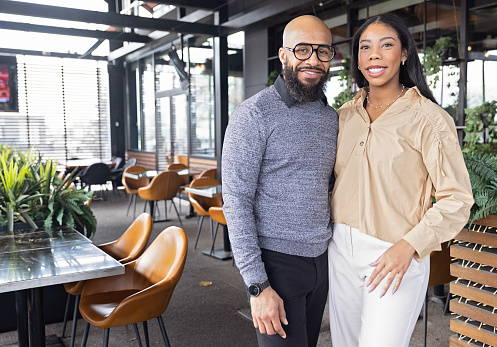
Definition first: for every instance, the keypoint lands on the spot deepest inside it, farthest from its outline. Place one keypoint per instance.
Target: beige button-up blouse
(387, 172)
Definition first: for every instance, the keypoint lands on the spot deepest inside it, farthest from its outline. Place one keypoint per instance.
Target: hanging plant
(432, 58)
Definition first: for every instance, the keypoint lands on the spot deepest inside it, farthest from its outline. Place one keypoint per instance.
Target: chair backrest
(440, 266)
(98, 173)
(212, 173)
(132, 184)
(117, 163)
(203, 201)
(177, 166)
(164, 186)
(160, 267)
(132, 242)
(180, 166)
(217, 215)
(130, 162)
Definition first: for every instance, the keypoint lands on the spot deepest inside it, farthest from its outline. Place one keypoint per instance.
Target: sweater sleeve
(243, 150)
(443, 159)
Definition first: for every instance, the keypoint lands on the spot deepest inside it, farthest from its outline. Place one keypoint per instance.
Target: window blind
(63, 108)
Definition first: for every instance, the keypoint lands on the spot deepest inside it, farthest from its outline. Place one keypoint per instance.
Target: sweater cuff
(423, 240)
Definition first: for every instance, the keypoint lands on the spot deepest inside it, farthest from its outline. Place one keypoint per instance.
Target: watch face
(253, 290)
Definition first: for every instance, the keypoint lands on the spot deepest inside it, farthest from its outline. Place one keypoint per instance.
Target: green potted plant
(30, 191)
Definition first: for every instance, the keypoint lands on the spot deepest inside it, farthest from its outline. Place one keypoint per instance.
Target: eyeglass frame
(312, 51)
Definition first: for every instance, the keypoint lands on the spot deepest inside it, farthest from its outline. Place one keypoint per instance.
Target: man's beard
(300, 92)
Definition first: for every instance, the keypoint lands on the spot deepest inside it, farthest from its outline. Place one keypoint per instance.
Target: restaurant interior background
(158, 80)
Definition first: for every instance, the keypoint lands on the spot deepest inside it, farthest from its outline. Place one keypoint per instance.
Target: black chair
(96, 174)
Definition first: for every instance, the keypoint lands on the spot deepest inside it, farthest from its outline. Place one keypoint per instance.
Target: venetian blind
(63, 108)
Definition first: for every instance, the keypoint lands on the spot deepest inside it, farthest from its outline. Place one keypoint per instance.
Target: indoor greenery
(30, 191)
(271, 78)
(481, 130)
(482, 169)
(432, 58)
(345, 81)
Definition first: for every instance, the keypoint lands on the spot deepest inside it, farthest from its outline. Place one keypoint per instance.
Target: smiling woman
(395, 147)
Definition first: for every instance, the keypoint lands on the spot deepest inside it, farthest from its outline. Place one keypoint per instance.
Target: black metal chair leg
(129, 203)
(66, 313)
(201, 220)
(137, 333)
(85, 334)
(163, 331)
(106, 337)
(180, 222)
(425, 319)
(75, 320)
(145, 332)
(214, 237)
(447, 301)
(134, 205)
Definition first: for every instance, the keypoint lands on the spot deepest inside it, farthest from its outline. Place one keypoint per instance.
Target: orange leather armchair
(202, 204)
(164, 186)
(126, 248)
(179, 166)
(143, 292)
(132, 185)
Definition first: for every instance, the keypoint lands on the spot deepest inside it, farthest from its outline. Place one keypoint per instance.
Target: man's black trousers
(302, 284)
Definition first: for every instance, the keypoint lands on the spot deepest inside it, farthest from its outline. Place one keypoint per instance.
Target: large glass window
(63, 108)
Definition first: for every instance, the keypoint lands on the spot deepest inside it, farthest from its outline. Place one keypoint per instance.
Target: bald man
(278, 160)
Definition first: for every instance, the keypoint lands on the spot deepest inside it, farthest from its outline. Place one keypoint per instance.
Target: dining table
(151, 174)
(223, 253)
(33, 259)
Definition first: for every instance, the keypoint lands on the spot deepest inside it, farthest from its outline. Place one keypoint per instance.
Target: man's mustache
(310, 67)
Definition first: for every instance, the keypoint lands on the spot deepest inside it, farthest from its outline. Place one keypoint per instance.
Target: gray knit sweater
(278, 158)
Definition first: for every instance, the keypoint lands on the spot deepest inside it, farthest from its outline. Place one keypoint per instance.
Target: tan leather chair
(439, 275)
(212, 173)
(126, 248)
(217, 215)
(132, 185)
(164, 186)
(202, 204)
(143, 292)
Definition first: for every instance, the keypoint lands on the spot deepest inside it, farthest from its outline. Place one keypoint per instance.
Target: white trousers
(362, 319)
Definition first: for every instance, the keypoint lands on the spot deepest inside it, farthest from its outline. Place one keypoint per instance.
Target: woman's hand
(394, 262)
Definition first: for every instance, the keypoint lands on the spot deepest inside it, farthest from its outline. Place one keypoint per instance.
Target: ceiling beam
(112, 19)
(97, 34)
(11, 51)
(272, 8)
(211, 5)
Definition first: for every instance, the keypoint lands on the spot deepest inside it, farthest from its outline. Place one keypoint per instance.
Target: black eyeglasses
(303, 51)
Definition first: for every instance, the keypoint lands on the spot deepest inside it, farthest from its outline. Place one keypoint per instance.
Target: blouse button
(362, 143)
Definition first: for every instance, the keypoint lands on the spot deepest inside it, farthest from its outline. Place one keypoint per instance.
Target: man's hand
(394, 262)
(268, 313)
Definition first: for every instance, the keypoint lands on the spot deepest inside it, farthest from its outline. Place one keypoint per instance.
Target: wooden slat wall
(202, 164)
(145, 159)
(475, 289)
